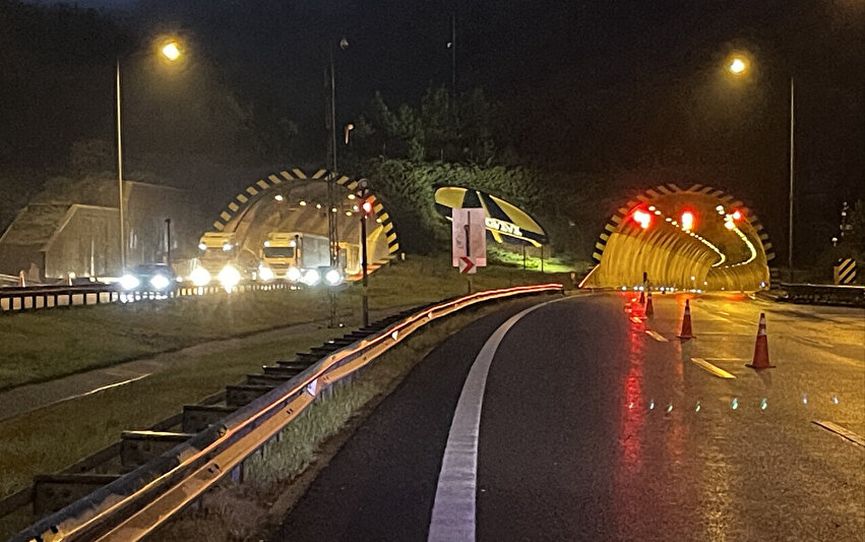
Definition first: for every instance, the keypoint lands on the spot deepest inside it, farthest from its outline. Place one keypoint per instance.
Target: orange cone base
(760, 368)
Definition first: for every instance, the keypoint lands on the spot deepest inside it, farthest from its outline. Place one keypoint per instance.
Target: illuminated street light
(171, 50)
(738, 65)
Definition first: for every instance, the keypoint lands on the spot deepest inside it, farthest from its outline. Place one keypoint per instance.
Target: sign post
(469, 241)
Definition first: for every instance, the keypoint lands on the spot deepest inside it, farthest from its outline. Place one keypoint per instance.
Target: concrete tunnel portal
(694, 239)
(294, 201)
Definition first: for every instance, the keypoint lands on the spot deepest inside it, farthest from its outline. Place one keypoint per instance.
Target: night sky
(596, 87)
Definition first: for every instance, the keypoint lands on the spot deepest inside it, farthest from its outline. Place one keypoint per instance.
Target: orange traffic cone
(686, 323)
(761, 348)
(650, 307)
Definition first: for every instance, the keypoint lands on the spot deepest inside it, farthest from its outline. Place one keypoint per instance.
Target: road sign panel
(467, 265)
(468, 236)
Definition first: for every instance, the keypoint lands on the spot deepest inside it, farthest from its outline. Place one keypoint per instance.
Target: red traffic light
(737, 214)
(642, 218)
(367, 207)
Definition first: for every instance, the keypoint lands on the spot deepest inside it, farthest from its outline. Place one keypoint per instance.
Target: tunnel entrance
(292, 203)
(695, 239)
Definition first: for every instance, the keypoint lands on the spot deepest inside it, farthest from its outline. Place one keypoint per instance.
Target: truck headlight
(229, 277)
(265, 273)
(200, 276)
(129, 282)
(293, 274)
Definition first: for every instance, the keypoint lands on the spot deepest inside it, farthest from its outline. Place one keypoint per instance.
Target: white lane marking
(103, 388)
(454, 508)
(842, 432)
(657, 336)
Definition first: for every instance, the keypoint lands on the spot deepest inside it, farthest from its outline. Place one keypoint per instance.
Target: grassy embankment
(43, 345)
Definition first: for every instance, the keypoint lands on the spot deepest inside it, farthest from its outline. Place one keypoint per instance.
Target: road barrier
(17, 298)
(134, 505)
(823, 294)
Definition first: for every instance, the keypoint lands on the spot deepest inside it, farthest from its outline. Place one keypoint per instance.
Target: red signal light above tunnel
(367, 207)
(737, 214)
(687, 220)
(642, 218)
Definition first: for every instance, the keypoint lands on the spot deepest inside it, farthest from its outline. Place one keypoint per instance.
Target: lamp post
(739, 65)
(171, 51)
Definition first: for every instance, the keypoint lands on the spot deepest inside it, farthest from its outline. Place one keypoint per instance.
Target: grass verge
(40, 346)
(277, 477)
(54, 437)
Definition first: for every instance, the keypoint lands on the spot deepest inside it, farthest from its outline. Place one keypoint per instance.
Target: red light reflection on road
(633, 407)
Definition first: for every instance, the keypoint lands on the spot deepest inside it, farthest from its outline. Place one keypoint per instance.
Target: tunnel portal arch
(726, 249)
(251, 213)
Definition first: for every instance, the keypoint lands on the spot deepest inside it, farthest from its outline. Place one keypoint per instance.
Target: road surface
(579, 420)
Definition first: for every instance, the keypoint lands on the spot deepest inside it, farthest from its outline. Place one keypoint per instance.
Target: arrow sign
(467, 265)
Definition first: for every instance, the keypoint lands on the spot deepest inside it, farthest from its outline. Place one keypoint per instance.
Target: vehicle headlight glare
(129, 282)
(333, 277)
(311, 277)
(229, 277)
(160, 282)
(293, 274)
(200, 276)
(265, 273)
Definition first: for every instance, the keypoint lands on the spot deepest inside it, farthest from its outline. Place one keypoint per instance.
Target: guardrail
(17, 298)
(823, 294)
(139, 502)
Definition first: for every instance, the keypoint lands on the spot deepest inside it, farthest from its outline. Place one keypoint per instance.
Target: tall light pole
(332, 214)
(171, 51)
(739, 65)
(792, 176)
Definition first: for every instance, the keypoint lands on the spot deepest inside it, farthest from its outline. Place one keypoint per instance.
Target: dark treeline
(591, 98)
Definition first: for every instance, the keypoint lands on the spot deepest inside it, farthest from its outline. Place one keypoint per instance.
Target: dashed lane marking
(657, 336)
(636, 320)
(842, 432)
(715, 370)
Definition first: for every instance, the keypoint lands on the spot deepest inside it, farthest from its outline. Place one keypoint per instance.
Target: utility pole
(168, 241)
(365, 210)
(120, 172)
(792, 170)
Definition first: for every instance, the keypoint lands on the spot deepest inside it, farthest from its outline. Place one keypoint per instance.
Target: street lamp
(171, 51)
(738, 66)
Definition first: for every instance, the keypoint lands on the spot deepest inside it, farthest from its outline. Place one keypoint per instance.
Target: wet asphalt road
(593, 429)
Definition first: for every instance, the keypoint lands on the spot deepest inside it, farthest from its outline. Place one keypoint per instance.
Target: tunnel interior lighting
(279, 197)
(302, 203)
